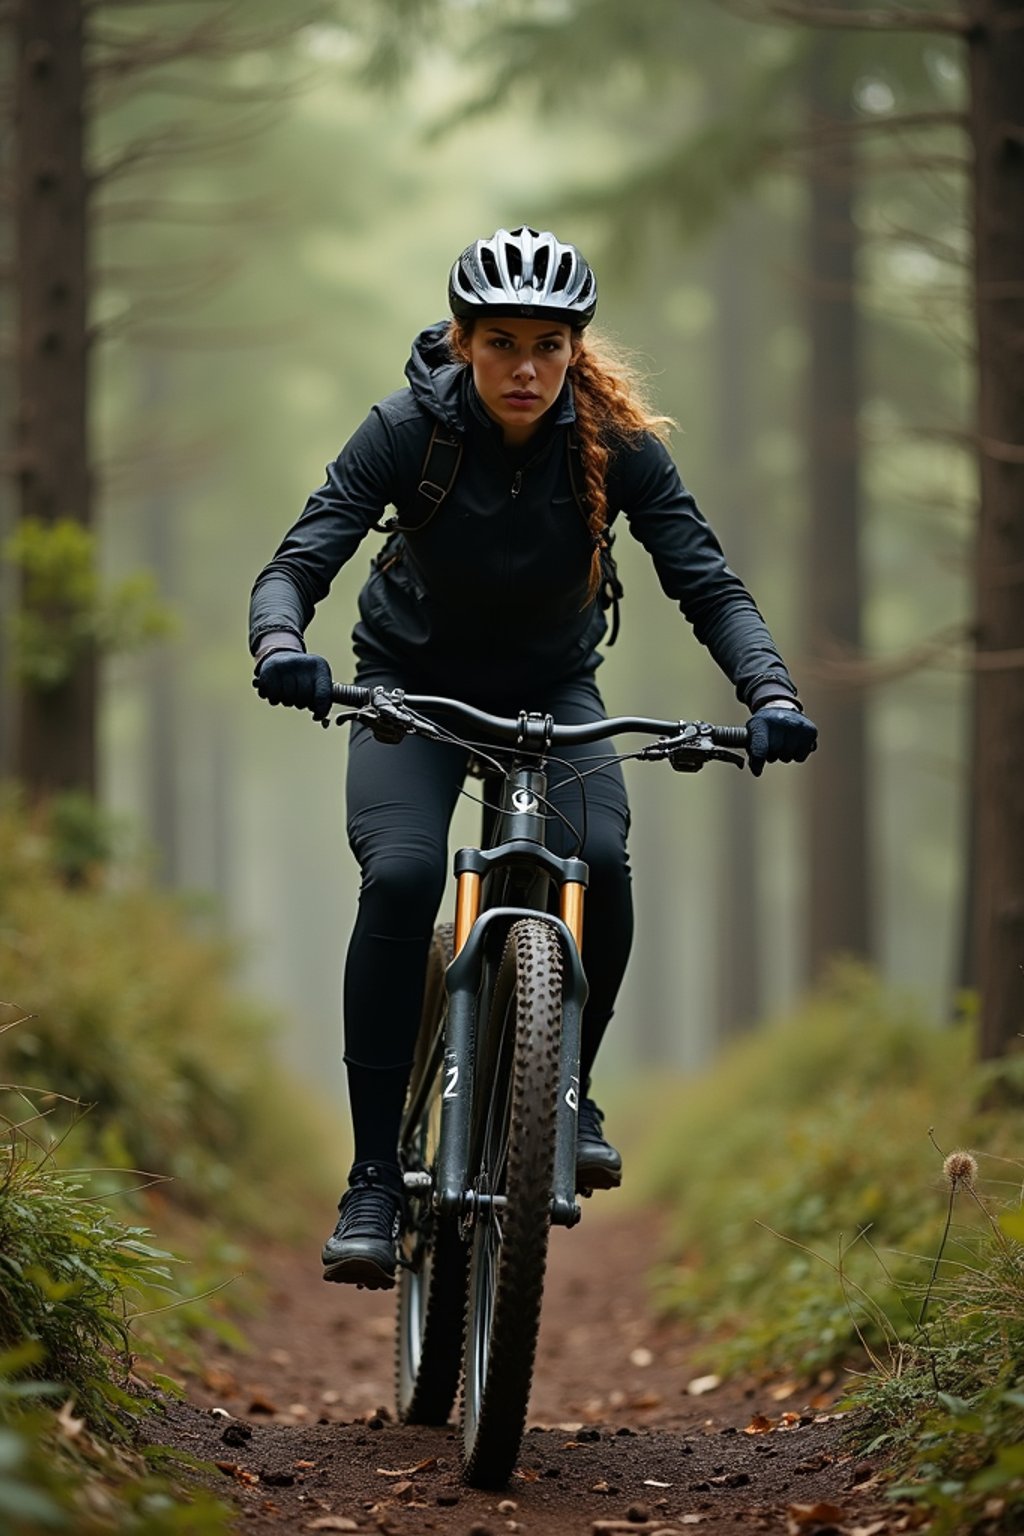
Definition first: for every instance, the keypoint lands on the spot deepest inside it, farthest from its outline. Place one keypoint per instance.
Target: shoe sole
(363, 1273)
(597, 1178)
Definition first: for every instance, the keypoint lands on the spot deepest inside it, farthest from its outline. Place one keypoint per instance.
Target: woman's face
(519, 368)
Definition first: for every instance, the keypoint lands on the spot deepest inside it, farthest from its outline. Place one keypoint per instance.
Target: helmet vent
(490, 266)
(564, 272)
(540, 266)
(514, 262)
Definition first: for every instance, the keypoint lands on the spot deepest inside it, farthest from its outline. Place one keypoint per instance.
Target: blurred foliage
(65, 607)
(71, 1411)
(129, 1009)
(803, 1181)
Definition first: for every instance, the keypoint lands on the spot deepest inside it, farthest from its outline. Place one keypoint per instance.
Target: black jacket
(490, 595)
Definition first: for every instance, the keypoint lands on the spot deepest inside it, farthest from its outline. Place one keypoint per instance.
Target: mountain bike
(488, 1139)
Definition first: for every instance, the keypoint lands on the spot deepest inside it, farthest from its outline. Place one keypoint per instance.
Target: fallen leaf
(220, 1381)
(304, 1466)
(427, 1465)
(240, 1474)
(646, 1400)
(527, 1474)
(69, 1426)
(802, 1516)
(332, 1523)
(784, 1389)
(261, 1403)
(404, 1489)
(701, 1384)
(759, 1425)
(874, 1529)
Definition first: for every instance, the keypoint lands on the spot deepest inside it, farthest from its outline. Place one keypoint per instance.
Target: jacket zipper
(517, 483)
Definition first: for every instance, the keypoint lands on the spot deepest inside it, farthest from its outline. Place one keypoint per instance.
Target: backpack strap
(610, 592)
(437, 476)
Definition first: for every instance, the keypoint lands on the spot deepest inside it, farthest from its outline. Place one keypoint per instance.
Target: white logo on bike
(450, 1089)
(523, 801)
(572, 1095)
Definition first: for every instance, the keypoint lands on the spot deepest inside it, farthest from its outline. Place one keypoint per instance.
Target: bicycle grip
(350, 694)
(730, 736)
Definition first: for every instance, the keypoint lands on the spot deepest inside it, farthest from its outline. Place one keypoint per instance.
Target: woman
(507, 457)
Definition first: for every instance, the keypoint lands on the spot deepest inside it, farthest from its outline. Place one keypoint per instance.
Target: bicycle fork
(452, 1193)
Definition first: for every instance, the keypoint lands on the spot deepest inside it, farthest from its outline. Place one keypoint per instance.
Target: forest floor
(626, 1433)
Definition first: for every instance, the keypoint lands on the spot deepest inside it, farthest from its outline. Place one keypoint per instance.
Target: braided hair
(612, 408)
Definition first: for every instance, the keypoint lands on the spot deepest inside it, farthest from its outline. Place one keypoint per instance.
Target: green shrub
(127, 1008)
(804, 1152)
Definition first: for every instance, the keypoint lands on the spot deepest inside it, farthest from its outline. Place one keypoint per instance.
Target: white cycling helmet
(524, 272)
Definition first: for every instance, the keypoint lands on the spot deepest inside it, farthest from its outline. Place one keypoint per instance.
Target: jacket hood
(445, 388)
(435, 380)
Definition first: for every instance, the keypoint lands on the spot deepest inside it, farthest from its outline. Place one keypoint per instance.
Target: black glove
(779, 735)
(296, 678)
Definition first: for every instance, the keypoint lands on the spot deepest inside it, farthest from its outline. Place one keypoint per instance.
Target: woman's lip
(520, 397)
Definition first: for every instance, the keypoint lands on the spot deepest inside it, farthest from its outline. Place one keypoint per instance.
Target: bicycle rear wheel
(514, 1151)
(431, 1291)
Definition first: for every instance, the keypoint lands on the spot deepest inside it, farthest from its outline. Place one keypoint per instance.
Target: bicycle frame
(484, 877)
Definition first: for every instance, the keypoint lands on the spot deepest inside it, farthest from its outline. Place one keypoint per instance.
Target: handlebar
(688, 744)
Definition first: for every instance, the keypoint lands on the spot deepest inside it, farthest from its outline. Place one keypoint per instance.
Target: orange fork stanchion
(467, 907)
(571, 909)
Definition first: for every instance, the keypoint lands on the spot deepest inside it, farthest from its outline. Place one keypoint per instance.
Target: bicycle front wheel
(514, 1161)
(432, 1282)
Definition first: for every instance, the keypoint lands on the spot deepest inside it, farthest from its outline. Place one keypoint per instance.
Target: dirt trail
(615, 1435)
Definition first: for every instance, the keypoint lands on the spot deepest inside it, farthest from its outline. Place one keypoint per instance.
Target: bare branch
(175, 142)
(830, 130)
(844, 666)
(897, 18)
(165, 212)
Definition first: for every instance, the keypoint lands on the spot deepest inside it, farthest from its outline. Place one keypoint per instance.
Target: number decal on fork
(451, 1090)
(572, 1095)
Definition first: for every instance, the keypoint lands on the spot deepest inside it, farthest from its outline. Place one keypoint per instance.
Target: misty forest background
(784, 216)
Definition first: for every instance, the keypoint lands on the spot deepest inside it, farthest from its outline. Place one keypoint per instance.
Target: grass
(816, 1228)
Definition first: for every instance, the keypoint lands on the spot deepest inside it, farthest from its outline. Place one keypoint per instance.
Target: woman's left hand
(779, 734)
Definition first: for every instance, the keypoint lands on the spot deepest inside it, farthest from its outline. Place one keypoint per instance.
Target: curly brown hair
(612, 407)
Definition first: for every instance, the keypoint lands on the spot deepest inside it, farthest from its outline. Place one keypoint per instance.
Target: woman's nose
(524, 368)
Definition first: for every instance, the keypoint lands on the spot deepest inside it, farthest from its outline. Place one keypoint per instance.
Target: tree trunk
(996, 48)
(57, 728)
(739, 978)
(839, 855)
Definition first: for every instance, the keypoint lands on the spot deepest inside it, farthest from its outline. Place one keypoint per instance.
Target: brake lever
(692, 756)
(690, 751)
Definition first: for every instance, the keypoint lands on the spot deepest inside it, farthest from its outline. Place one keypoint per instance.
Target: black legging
(400, 803)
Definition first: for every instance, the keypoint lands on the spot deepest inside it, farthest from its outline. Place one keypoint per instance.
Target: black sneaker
(598, 1165)
(363, 1250)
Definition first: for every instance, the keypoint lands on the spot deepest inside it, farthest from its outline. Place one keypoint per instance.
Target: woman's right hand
(295, 678)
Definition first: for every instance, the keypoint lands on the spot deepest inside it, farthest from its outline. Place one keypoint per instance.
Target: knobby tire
(431, 1294)
(515, 1149)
